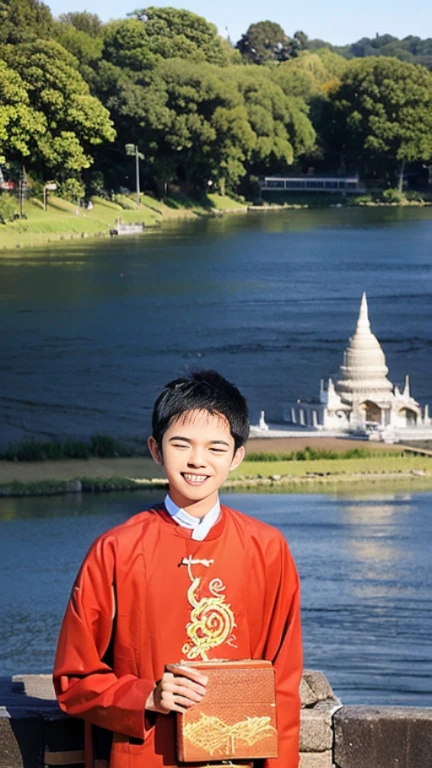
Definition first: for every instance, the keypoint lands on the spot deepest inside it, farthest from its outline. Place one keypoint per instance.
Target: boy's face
(197, 455)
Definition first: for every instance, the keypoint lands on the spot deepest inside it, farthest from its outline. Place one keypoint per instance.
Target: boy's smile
(197, 455)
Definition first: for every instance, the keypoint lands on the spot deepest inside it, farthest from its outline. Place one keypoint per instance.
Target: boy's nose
(197, 459)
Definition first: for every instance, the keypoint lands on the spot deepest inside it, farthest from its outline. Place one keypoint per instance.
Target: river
(91, 331)
(364, 562)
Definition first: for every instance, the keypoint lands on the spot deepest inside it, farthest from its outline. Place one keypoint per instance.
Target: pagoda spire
(363, 323)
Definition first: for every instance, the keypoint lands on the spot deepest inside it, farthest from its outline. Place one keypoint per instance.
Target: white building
(363, 400)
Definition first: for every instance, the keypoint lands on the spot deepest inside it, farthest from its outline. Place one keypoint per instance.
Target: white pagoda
(363, 400)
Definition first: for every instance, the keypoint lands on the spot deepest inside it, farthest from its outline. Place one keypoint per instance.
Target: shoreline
(311, 483)
(96, 225)
(267, 470)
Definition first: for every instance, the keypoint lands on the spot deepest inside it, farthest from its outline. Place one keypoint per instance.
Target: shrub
(29, 451)
(54, 451)
(8, 207)
(414, 196)
(72, 190)
(361, 200)
(107, 447)
(76, 449)
(392, 196)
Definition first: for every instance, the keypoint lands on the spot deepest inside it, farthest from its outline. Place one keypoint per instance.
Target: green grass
(60, 221)
(314, 454)
(374, 464)
(96, 474)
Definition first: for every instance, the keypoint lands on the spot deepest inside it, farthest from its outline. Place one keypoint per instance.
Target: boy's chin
(193, 493)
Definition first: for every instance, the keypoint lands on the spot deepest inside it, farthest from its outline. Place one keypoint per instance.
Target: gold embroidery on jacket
(211, 619)
(214, 735)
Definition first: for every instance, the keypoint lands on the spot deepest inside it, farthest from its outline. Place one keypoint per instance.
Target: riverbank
(66, 221)
(97, 475)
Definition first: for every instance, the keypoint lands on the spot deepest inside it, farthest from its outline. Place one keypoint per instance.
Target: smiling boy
(189, 579)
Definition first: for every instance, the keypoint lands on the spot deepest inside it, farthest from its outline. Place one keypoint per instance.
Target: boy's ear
(238, 457)
(155, 451)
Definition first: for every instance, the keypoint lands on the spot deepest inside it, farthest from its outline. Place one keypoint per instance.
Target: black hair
(203, 391)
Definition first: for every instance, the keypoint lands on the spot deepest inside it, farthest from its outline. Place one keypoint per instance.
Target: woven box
(236, 719)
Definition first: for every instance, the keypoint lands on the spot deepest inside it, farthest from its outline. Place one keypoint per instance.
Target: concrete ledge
(383, 737)
(35, 734)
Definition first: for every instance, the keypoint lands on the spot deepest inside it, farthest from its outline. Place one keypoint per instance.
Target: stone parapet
(35, 734)
(383, 737)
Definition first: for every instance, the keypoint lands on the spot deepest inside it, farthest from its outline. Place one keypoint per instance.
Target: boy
(186, 580)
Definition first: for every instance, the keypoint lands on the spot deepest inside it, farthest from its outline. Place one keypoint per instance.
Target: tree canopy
(264, 42)
(73, 120)
(74, 91)
(382, 111)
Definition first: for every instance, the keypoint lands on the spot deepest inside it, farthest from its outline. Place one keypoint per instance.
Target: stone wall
(35, 734)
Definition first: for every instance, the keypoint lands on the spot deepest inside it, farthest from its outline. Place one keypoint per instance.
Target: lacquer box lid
(237, 716)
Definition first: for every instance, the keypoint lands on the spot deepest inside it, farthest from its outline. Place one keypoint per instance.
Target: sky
(337, 21)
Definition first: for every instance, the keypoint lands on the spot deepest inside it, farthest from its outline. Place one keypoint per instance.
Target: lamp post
(132, 150)
(50, 186)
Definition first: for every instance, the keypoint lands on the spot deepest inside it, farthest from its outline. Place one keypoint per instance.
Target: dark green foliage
(380, 116)
(264, 42)
(202, 113)
(104, 484)
(314, 454)
(83, 21)
(106, 447)
(24, 20)
(410, 48)
(103, 446)
(8, 207)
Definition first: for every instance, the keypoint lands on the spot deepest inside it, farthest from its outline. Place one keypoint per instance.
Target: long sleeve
(284, 649)
(84, 681)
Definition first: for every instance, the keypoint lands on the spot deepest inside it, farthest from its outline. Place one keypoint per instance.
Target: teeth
(195, 478)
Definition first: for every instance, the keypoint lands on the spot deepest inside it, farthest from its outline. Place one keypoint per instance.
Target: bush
(27, 451)
(392, 196)
(414, 196)
(8, 207)
(361, 200)
(107, 447)
(54, 451)
(72, 190)
(76, 449)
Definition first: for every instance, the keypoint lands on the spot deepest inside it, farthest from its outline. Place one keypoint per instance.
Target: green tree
(75, 121)
(190, 121)
(126, 45)
(181, 34)
(85, 48)
(23, 20)
(83, 21)
(20, 125)
(280, 122)
(163, 33)
(382, 113)
(264, 42)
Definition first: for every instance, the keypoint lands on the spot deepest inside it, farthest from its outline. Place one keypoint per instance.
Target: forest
(81, 100)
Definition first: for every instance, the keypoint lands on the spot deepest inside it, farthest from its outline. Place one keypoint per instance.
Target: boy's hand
(176, 692)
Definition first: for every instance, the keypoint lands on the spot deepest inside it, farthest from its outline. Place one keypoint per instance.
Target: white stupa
(363, 400)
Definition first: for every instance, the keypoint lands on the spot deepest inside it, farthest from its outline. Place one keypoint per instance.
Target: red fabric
(242, 594)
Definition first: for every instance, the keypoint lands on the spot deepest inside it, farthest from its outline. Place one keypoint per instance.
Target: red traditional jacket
(146, 595)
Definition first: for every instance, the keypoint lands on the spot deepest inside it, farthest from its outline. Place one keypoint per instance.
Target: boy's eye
(217, 450)
(180, 445)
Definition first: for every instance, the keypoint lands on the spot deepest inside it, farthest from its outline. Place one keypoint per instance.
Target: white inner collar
(200, 526)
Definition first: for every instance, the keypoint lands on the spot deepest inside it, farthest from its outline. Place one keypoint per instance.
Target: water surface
(92, 331)
(364, 562)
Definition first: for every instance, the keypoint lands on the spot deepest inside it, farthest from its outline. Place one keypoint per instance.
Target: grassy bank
(64, 221)
(95, 474)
